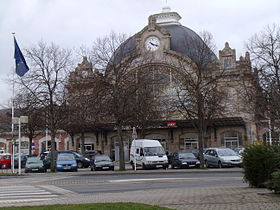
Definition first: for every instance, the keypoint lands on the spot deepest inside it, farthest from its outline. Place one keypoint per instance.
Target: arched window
(189, 141)
(275, 137)
(231, 139)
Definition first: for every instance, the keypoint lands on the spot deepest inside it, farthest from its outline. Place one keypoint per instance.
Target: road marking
(23, 194)
(23, 200)
(175, 179)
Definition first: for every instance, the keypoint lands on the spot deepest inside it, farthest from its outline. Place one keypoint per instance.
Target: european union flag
(21, 65)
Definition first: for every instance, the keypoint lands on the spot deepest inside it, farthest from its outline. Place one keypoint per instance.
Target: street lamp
(19, 120)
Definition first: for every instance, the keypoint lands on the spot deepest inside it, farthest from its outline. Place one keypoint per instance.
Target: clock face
(152, 43)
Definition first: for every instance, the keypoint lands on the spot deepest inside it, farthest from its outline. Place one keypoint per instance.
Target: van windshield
(152, 151)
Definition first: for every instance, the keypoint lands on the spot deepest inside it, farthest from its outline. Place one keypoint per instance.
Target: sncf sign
(171, 124)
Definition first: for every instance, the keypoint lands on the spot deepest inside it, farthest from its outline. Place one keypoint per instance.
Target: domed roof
(187, 42)
(183, 40)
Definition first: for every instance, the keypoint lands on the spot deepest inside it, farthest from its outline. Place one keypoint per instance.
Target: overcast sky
(72, 23)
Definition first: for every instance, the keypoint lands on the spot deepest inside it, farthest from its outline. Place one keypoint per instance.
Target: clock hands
(156, 45)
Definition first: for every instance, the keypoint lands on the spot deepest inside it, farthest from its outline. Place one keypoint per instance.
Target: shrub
(259, 162)
(274, 183)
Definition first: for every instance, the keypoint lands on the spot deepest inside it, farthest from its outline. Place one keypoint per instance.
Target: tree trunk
(53, 151)
(82, 143)
(72, 141)
(121, 148)
(30, 145)
(200, 129)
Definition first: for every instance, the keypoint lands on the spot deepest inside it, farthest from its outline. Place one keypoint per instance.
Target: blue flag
(21, 65)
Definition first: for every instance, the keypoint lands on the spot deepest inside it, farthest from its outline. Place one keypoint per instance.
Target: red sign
(171, 124)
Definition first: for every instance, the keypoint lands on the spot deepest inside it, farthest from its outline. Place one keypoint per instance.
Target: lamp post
(134, 136)
(20, 120)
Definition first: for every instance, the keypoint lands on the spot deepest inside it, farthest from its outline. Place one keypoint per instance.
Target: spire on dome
(166, 8)
(166, 17)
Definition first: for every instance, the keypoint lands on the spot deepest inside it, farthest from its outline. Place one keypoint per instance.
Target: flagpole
(13, 113)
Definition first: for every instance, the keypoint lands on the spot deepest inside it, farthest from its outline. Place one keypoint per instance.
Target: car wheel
(165, 167)
(133, 166)
(220, 164)
(80, 165)
(172, 166)
(206, 164)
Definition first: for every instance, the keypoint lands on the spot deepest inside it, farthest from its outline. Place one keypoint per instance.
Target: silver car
(221, 157)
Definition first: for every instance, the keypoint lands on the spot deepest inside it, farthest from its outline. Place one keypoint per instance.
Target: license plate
(184, 163)
(158, 166)
(66, 168)
(35, 169)
(106, 167)
(191, 165)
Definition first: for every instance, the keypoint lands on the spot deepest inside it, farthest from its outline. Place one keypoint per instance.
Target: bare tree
(264, 48)
(45, 82)
(26, 105)
(198, 93)
(121, 82)
(84, 100)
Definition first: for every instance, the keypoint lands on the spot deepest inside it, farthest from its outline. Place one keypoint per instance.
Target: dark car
(81, 160)
(34, 164)
(101, 162)
(184, 160)
(90, 154)
(23, 158)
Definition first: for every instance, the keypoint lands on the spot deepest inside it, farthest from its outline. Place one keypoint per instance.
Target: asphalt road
(133, 182)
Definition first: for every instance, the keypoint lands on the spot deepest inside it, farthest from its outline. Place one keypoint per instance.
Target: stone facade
(236, 128)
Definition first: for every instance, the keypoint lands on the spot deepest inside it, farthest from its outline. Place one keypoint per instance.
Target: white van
(148, 154)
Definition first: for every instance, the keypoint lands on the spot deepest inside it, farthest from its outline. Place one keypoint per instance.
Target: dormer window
(227, 63)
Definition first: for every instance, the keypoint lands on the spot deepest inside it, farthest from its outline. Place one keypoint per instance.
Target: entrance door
(231, 142)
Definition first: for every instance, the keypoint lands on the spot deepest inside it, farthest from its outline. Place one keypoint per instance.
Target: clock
(152, 43)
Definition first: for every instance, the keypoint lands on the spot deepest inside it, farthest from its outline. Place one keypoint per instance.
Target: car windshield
(226, 152)
(33, 160)
(152, 151)
(65, 157)
(102, 158)
(186, 155)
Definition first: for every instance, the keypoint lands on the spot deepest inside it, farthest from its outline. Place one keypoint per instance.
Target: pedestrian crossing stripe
(23, 194)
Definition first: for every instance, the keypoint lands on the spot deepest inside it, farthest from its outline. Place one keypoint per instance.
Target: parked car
(148, 153)
(5, 160)
(90, 154)
(239, 150)
(34, 164)
(82, 162)
(184, 160)
(23, 160)
(221, 157)
(66, 162)
(101, 162)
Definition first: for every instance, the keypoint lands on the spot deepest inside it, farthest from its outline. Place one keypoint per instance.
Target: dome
(183, 40)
